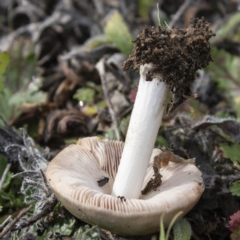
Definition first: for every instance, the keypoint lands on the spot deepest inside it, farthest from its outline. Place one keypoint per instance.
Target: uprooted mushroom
(143, 183)
(74, 174)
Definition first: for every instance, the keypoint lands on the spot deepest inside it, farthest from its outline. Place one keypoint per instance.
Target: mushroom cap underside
(74, 176)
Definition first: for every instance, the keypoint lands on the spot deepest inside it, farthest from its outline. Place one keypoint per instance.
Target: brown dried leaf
(228, 125)
(65, 122)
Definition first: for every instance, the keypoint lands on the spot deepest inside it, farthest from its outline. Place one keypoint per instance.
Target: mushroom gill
(74, 176)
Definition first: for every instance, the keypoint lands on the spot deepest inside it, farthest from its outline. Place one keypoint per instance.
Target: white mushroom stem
(142, 132)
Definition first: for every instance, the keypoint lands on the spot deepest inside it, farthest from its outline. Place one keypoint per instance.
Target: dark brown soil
(176, 54)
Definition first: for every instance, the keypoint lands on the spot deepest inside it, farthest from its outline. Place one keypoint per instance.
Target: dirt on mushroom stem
(161, 161)
(175, 53)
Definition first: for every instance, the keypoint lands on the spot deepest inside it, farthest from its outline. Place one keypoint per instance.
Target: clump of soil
(176, 54)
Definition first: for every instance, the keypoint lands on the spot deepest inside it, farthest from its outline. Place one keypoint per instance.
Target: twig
(10, 225)
(5, 222)
(179, 12)
(4, 175)
(5, 29)
(99, 7)
(49, 206)
(46, 186)
(101, 70)
(158, 17)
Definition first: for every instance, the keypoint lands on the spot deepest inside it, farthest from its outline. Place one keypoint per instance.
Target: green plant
(19, 84)
(117, 32)
(10, 190)
(165, 235)
(4, 62)
(181, 228)
(85, 95)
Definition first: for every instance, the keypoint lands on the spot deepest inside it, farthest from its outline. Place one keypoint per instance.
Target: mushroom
(122, 187)
(74, 173)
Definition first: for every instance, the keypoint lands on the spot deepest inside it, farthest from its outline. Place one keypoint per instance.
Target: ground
(51, 89)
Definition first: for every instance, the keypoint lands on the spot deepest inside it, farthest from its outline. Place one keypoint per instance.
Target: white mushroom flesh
(142, 132)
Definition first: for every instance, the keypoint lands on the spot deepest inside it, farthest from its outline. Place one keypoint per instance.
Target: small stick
(4, 175)
(101, 71)
(179, 12)
(5, 222)
(46, 186)
(48, 207)
(158, 12)
(11, 224)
